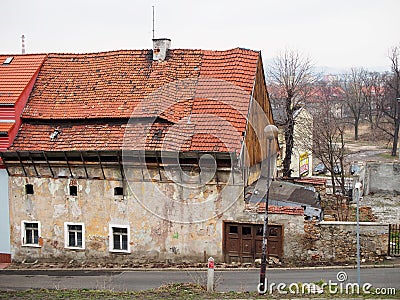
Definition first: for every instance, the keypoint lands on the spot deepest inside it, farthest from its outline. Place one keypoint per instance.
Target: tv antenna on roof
(153, 22)
(23, 44)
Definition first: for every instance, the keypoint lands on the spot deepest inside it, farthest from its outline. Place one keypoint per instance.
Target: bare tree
(392, 110)
(328, 138)
(328, 144)
(388, 102)
(352, 87)
(294, 77)
(374, 93)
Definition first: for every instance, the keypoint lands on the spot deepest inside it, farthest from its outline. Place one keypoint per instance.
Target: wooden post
(210, 275)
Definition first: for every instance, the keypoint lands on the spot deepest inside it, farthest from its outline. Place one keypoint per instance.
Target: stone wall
(336, 242)
(381, 178)
(385, 207)
(381, 191)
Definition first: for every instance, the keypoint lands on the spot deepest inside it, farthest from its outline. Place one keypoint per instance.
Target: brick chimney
(160, 48)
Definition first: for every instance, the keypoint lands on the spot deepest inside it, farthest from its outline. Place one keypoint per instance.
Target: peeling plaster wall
(197, 212)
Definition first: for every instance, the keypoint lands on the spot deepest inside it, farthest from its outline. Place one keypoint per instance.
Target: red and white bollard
(210, 275)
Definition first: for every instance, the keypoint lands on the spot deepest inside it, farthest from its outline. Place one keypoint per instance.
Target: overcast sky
(334, 33)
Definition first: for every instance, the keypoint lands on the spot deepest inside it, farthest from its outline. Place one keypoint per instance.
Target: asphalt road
(237, 280)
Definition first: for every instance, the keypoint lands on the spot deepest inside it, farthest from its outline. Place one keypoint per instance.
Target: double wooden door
(243, 242)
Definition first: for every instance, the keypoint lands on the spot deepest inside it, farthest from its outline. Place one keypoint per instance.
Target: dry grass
(168, 291)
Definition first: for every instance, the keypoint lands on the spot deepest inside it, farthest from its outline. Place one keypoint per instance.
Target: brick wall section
(5, 258)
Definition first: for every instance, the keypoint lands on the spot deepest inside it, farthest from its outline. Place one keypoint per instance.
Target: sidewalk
(4, 265)
(392, 263)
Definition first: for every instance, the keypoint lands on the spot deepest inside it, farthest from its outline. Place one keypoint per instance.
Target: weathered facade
(129, 156)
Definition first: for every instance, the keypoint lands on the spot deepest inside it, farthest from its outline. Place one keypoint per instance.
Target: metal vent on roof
(55, 134)
(8, 60)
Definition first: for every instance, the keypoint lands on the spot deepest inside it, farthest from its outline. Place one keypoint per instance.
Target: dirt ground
(369, 147)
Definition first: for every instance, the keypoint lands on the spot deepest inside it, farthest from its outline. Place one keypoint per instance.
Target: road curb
(198, 269)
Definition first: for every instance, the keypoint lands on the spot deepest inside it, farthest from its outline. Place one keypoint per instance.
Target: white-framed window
(119, 238)
(30, 233)
(74, 235)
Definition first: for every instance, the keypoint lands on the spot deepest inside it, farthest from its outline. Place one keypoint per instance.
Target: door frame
(255, 238)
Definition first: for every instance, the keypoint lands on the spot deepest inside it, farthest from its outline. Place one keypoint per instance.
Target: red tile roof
(311, 180)
(287, 210)
(198, 101)
(5, 127)
(15, 76)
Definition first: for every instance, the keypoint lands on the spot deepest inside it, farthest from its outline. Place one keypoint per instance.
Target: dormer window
(8, 60)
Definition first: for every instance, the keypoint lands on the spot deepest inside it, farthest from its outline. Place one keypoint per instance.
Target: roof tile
(195, 100)
(16, 75)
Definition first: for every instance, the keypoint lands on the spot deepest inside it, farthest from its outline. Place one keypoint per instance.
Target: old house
(143, 154)
(17, 76)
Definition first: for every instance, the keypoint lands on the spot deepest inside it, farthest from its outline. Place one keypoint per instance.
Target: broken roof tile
(195, 100)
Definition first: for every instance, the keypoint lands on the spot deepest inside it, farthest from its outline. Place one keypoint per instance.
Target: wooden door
(243, 242)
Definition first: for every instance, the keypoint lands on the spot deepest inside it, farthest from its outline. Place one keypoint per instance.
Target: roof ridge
(25, 55)
(141, 50)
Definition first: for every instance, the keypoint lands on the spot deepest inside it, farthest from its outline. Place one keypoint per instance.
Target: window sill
(74, 248)
(31, 245)
(119, 251)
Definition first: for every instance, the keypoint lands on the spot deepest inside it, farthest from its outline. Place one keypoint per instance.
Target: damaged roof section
(289, 197)
(194, 100)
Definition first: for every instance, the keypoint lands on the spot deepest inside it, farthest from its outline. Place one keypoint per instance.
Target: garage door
(243, 242)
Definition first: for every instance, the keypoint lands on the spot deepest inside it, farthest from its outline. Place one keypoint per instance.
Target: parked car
(355, 169)
(320, 169)
(337, 169)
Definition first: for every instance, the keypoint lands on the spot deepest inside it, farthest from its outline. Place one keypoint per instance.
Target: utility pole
(271, 132)
(357, 194)
(397, 126)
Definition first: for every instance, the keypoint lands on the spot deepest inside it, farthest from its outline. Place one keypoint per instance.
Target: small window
(273, 231)
(259, 231)
(74, 235)
(73, 190)
(30, 233)
(29, 189)
(246, 230)
(118, 191)
(119, 238)
(233, 229)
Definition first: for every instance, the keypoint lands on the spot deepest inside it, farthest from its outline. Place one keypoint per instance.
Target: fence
(394, 239)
